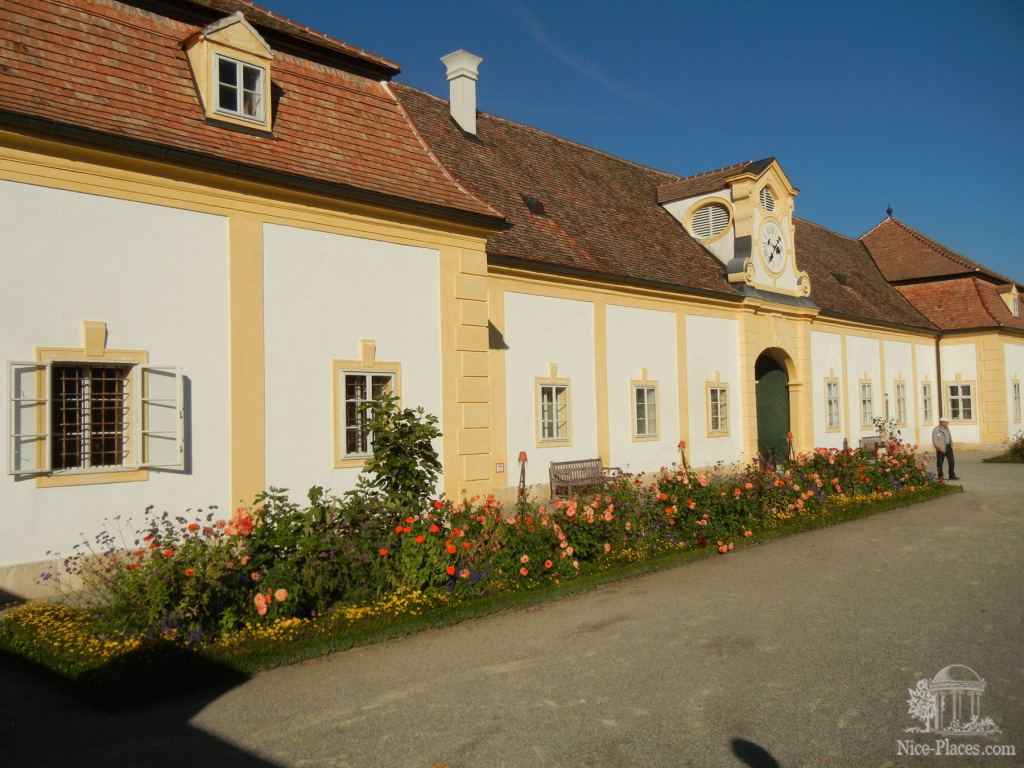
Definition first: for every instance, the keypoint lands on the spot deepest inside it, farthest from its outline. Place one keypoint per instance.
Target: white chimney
(462, 81)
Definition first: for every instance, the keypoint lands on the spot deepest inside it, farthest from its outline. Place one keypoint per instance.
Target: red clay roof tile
(961, 304)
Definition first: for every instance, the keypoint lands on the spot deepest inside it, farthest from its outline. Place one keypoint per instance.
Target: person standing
(943, 442)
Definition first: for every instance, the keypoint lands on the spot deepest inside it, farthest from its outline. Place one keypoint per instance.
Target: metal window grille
(90, 416)
(646, 411)
(362, 388)
(554, 411)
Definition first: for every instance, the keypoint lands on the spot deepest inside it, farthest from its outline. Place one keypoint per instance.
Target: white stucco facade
(926, 374)
(826, 363)
(712, 355)
(541, 331)
(959, 362)
(641, 339)
(1014, 357)
(157, 277)
(899, 370)
(324, 293)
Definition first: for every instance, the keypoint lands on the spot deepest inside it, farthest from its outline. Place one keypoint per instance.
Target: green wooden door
(773, 413)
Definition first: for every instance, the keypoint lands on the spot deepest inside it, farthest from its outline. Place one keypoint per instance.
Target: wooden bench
(569, 476)
(871, 444)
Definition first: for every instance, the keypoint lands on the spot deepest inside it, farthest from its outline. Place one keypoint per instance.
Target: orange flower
(193, 527)
(466, 544)
(434, 528)
(168, 553)
(465, 573)
(548, 563)
(382, 552)
(607, 547)
(451, 549)
(261, 605)
(407, 529)
(437, 504)
(398, 529)
(450, 570)
(523, 572)
(245, 560)
(420, 539)
(132, 566)
(255, 576)
(190, 572)
(524, 559)
(281, 595)
(410, 519)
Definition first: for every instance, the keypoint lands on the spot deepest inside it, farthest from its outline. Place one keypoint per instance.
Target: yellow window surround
(233, 39)
(94, 350)
(959, 381)
(367, 363)
(644, 383)
(561, 401)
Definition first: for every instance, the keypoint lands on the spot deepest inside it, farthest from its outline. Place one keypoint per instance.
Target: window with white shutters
(767, 199)
(709, 221)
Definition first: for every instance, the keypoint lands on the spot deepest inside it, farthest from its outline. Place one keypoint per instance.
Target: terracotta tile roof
(601, 214)
(962, 303)
(709, 181)
(846, 281)
(268, 20)
(118, 70)
(903, 253)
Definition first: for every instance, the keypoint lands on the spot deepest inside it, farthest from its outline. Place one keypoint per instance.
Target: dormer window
(240, 88)
(231, 65)
(767, 199)
(709, 221)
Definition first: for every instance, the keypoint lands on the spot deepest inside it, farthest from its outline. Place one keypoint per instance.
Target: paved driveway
(798, 653)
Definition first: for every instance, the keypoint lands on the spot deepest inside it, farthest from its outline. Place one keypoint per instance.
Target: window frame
(539, 384)
(959, 398)
(635, 386)
(867, 417)
(240, 64)
(716, 408)
(927, 405)
(339, 370)
(833, 381)
(1015, 401)
(700, 205)
(900, 397)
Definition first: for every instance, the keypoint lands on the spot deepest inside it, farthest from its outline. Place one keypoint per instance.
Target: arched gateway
(771, 377)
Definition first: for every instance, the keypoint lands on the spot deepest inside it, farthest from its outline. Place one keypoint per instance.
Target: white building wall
(158, 278)
(324, 293)
(1014, 355)
(725, 246)
(642, 338)
(712, 346)
(540, 330)
(925, 354)
(862, 362)
(961, 359)
(899, 364)
(826, 361)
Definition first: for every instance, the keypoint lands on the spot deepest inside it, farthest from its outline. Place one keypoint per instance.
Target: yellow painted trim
(601, 380)
(634, 384)
(682, 384)
(723, 386)
(699, 205)
(338, 369)
(499, 391)
(553, 381)
(833, 379)
(246, 358)
(63, 478)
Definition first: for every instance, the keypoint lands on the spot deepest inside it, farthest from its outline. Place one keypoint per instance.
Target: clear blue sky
(915, 104)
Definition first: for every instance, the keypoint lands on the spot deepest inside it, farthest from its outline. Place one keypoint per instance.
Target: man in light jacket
(943, 442)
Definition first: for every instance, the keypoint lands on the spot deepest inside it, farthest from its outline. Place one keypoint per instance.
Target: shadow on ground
(753, 755)
(46, 721)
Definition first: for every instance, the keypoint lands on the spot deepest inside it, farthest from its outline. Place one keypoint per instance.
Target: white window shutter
(161, 417)
(28, 419)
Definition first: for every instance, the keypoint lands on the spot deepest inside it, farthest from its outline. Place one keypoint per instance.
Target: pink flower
(261, 605)
(523, 572)
(524, 559)
(607, 547)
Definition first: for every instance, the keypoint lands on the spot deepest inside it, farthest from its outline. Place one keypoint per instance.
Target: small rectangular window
(926, 402)
(554, 412)
(867, 404)
(960, 402)
(1016, 401)
(645, 399)
(360, 388)
(89, 409)
(832, 403)
(901, 403)
(718, 409)
(240, 89)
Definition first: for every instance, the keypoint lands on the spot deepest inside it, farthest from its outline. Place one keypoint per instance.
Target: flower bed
(278, 582)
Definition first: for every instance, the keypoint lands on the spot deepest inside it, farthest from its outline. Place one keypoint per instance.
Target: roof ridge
(938, 247)
(832, 231)
(433, 156)
(581, 145)
(887, 218)
(716, 170)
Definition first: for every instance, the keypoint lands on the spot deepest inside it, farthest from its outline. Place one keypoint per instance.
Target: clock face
(773, 247)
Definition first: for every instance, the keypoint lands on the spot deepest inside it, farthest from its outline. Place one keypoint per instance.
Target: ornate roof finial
(888, 211)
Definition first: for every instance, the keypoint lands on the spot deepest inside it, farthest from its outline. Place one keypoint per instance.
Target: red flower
(132, 566)
(451, 549)
(168, 553)
(382, 552)
(398, 529)
(450, 570)
(548, 563)
(407, 529)
(523, 572)
(410, 519)
(434, 528)
(419, 539)
(190, 572)
(465, 544)
(193, 527)
(437, 504)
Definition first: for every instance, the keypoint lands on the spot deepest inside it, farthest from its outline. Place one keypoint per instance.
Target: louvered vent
(709, 221)
(767, 199)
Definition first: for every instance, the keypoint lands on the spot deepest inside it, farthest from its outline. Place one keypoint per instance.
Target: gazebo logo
(950, 704)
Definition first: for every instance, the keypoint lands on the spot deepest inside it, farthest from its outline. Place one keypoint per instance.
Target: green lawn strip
(1004, 458)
